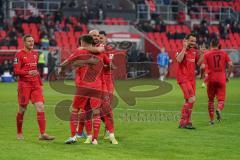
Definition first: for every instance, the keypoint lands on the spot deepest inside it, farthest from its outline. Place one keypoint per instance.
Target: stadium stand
(63, 31)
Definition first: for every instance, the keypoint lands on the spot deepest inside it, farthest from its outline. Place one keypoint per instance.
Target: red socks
(109, 122)
(190, 106)
(220, 105)
(186, 113)
(41, 122)
(88, 122)
(73, 123)
(96, 125)
(19, 121)
(211, 110)
(81, 123)
(40, 118)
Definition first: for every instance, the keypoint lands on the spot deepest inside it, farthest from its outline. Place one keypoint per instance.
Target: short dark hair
(86, 38)
(26, 36)
(103, 32)
(214, 42)
(191, 35)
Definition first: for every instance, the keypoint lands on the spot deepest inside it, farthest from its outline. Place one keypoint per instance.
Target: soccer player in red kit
(186, 78)
(215, 62)
(100, 41)
(108, 88)
(29, 87)
(85, 79)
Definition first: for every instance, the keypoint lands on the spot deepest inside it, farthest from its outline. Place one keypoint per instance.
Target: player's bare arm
(65, 63)
(202, 48)
(181, 55)
(90, 61)
(230, 69)
(94, 49)
(33, 73)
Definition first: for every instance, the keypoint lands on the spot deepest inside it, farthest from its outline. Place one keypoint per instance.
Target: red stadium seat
(13, 47)
(70, 34)
(4, 47)
(3, 33)
(77, 34)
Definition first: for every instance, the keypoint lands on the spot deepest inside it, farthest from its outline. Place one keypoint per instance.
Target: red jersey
(215, 62)
(88, 76)
(186, 68)
(109, 52)
(23, 63)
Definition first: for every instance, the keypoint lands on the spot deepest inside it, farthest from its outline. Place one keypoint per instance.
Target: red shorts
(80, 102)
(85, 94)
(188, 89)
(29, 91)
(217, 89)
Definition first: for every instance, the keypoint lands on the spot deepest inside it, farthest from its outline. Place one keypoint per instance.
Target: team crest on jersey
(35, 57)
(15, 61)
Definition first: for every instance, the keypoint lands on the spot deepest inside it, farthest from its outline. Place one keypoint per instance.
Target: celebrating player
(29, 87)
(215, 62)
(186, 78)
(89, 86)
(108, 88)
(100, 41)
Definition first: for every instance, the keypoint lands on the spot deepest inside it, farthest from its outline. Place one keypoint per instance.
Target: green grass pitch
(148, 130)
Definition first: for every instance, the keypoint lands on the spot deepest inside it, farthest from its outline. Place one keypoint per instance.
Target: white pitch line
(160, 110)
(153, 110)
(168, 111)
(230, 104)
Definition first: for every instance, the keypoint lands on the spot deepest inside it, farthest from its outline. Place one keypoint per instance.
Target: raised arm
(90, 61)
(180, 56)
(95, 50)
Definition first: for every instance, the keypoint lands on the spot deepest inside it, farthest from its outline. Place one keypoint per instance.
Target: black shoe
(219, 115)
(187, 126)
(211, 123)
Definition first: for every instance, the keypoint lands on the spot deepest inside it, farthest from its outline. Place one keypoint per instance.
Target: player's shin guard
(73, 122)
(81, 122)
(19, 122)
(96, 125)
(211, 110)
(184, 116)
(189, 108)
(41, 122)
(220, 105)
(88, 122)
(109, 122)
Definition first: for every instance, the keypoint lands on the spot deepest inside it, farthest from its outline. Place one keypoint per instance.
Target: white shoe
(20, 137)
(71, 140)
(95, 142)
(112, 138)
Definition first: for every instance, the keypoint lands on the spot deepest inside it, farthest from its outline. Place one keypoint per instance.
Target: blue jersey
(163, 59)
